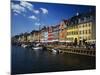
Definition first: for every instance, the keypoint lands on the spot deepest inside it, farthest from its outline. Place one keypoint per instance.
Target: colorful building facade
(50, 34)
(81, 26)
(44, 35)
(55, 33)
(62, 31)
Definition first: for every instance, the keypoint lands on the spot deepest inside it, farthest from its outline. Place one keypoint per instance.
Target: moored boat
(55, 51)
(37, 47)
(24, 45)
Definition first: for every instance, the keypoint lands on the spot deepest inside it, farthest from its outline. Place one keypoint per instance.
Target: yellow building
(81, 27)
(87, 31)
(30, 38)
(72, 33)
(35, 36)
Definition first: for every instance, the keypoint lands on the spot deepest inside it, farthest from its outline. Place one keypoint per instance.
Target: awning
(55, 40)
(50, 41)
(91, 41)
(62, 41)
(69, 41)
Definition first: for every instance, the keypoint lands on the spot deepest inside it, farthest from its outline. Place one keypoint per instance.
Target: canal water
(37, 61)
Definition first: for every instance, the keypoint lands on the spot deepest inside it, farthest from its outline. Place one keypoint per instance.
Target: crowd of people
(88, 45)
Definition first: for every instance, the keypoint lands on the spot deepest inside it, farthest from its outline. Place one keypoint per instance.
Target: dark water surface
(36, 61)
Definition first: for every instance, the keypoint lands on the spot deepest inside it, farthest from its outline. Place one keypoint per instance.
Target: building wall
(46, 36)
(36, 37)
(42, 36)
(30, 38)
(62, 31)
(23, 39)
(62, 34)
(50, 34)
(85, 31)
(55, 33)
(93, 34)
(72, 33)
(81, 31)
(84, 28)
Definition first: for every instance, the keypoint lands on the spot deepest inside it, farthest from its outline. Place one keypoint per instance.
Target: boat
(37, 47)
(55, 51)
(24, 45)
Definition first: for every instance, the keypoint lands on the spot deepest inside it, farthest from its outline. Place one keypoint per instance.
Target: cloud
(37, 24)
(27, 5)
(17, 11)
(36, 11)
(23, 7)
(33, 17)
(15, 14)
(44, 10)
(17, 8)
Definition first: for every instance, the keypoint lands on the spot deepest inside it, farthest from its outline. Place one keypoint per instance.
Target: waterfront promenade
(74, 50)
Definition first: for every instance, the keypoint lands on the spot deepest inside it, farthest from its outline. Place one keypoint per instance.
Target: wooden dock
(81, 51)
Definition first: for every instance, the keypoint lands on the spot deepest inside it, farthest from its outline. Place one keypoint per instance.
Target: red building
(50, 34)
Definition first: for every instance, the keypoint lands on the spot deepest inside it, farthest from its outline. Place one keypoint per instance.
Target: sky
(27, 16)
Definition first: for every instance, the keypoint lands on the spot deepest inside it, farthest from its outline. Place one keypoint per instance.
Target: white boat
(23, 45)
(37, 48)
(55, 51)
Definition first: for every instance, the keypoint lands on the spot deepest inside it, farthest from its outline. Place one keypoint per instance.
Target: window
(72, 32)
(88, 24)
(80, 32)
(80, 26)
(89, 31)
(80, 37)
(77, 32)
(83, 25)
